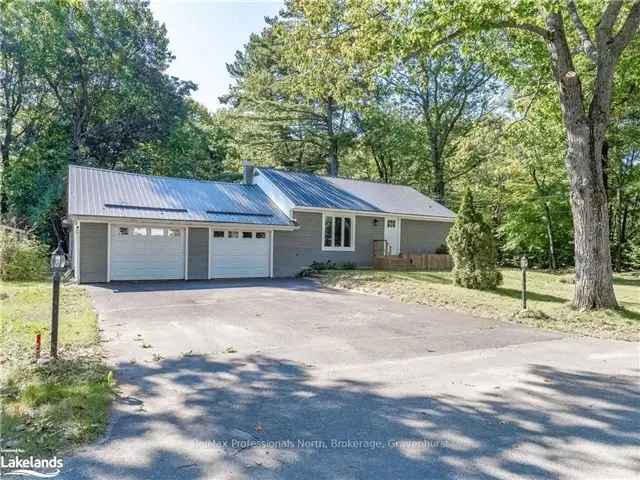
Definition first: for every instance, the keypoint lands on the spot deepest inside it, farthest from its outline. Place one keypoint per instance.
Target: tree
(585, 128)
(276, 112)
(448, 94)
(473, 249)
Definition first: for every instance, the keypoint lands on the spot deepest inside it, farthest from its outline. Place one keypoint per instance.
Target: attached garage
(127, 226)
(240, 254)
(140, 252)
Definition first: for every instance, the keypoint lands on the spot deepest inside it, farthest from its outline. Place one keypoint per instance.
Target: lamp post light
(58, 265)
(523, 266)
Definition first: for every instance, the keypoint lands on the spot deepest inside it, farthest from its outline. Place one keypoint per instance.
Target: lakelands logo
(12, 464)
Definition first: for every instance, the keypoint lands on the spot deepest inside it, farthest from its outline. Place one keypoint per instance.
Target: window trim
(352, 247)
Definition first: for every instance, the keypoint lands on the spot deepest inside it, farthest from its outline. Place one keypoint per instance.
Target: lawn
(48, 408)
(549, 296)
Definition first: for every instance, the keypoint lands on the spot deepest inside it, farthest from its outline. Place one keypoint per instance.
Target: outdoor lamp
(524, 263)
(58, 264)
(58, 259)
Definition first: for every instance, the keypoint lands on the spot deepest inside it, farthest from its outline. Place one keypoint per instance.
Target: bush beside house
(21, 260)
(473, 248)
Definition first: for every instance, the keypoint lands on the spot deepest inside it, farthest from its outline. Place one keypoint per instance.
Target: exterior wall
(294, 251)
(93, 252)
(198, 254)
(418, 236)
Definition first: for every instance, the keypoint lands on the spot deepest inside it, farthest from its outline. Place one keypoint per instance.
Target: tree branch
(607, 21)
(628, 30)
(587, 44)
(527, 27)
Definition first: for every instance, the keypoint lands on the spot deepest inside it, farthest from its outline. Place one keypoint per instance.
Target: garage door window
(123, 231)
(261, 235)
(173, 232)
(233, 234)
(139, 231)
(157, 232)
(218, 234)
(247, 234)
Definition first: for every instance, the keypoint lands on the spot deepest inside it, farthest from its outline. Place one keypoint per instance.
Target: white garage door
(146, 253)
(239, 254)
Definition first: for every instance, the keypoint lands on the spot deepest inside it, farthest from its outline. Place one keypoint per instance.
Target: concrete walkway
(285, 379)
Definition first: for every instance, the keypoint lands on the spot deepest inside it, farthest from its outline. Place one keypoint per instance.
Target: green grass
(50, 408)
(549, 297)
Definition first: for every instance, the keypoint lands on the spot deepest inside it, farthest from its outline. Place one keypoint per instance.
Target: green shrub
(317, 267)
(473, 249)
(24, 259)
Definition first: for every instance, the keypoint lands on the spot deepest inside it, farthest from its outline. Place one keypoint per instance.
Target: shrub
(442, 250)
(473, 249)
(24, 259)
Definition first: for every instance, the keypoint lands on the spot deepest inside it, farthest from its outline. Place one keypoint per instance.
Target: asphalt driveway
(285, 379)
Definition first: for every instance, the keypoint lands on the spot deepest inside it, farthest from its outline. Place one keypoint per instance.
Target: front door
(392, 234)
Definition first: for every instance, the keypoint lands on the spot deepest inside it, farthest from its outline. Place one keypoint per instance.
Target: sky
(205, 34)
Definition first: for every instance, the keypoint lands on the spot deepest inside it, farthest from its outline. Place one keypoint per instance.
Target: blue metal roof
(317, 191)
(110, 193)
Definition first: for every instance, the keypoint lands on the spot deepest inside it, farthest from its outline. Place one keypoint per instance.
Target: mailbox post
(58, 264)
(523, 266)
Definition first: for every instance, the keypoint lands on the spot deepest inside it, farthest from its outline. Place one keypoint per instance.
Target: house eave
(370, 213)
(182, 223)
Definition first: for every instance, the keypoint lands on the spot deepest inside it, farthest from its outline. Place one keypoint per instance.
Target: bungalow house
(126, 226)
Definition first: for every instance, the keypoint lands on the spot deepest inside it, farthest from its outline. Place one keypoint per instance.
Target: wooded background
(380, 90)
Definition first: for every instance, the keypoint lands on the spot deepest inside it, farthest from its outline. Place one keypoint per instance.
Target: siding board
(294, 251)
(198, 253)
(417, 236)
(93, 252)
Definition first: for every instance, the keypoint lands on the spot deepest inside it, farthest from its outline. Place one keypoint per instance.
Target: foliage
(86, 82)
(22, 260)
(317, 267)
(473, 249)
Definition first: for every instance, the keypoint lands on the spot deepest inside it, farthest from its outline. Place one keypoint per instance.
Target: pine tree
(473, 248)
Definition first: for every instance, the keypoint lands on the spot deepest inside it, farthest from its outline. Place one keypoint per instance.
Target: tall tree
(448, 94)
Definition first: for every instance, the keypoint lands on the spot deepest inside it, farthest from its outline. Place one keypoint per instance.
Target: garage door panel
(240, 257)
(147, 257)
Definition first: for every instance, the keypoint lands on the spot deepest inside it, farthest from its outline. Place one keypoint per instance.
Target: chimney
(247, 173)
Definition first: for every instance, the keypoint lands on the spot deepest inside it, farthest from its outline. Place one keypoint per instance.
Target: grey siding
(198, 254)
(93, 252)
(294, 251)
(418, 236)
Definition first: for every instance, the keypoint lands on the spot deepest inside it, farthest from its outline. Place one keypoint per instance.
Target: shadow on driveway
(552, 423)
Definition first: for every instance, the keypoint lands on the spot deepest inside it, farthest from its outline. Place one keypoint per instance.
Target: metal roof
(110, 193)
(317, 191)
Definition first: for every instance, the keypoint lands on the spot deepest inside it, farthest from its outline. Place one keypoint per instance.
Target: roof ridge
(377, 182)
(159, 176)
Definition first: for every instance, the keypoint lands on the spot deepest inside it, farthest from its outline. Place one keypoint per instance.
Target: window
(391, 224)
(157, 232)
(173, 232)
(247, 234)
(233, 234)
(123, 230)
(218, 234)
(338, 233)
(139, 231)
(261, 235)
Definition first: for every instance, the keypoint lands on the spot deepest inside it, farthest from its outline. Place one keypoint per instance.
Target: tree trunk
(552, 250)
(332, 160)
(594, 276)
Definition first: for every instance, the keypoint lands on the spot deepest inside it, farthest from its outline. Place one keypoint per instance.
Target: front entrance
(392, 234)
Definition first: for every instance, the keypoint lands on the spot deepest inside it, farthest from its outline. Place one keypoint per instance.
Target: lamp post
(523, 266)
(58, 264)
